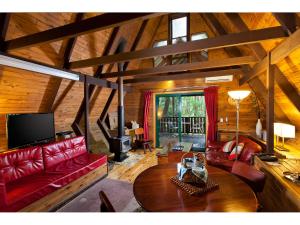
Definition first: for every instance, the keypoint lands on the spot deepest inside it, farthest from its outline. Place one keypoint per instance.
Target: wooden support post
(86, 113)
(270, 105)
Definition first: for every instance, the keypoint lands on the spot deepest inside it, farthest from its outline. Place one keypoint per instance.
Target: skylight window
(179, 27)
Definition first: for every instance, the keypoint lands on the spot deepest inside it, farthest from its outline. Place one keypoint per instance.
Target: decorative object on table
(194, 190)
(238, 96)
(294, 177)
(258, 115)
(193, 170)
(283, 130)
(258, 128)
(134, 125)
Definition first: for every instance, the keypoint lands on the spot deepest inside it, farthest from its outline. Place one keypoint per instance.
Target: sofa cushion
(21, 163)
(228, 146)
(58, 152)
(236, 151)
(76, 167)
(219, 159)
(24, 191)
(250, 148)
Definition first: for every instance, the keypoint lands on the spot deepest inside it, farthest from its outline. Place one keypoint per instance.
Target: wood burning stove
(121, 144)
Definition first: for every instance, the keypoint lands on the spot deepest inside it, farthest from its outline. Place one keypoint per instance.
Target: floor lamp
(238, 96)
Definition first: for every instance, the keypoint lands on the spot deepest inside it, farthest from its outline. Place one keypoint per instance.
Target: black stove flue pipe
(121, 119)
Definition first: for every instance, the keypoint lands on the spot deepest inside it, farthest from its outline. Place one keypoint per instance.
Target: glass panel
(179, 27)
(202, 55)
(159, 60)
(193, 126)
(168, 121)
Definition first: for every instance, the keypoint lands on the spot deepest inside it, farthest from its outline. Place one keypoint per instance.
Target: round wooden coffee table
(155, 192)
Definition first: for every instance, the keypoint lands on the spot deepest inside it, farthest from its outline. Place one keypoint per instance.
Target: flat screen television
(26, 129)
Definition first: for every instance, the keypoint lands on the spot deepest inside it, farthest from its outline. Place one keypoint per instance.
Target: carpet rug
(132, 159)
(119, 193)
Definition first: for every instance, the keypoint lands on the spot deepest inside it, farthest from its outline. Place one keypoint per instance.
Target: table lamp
(238, 96)
(283, 130)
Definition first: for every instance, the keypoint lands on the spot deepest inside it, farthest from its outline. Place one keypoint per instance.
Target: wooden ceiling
(245, 38)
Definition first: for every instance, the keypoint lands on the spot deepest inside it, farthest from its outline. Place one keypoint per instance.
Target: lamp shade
(284, 130)
(239, 94)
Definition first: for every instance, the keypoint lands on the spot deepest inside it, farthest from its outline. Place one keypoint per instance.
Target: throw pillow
(233, 154)
(228, 146)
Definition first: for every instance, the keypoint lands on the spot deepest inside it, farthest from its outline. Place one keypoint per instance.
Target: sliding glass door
(181, 118)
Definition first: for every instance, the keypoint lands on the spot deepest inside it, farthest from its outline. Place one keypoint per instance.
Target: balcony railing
(189, 125)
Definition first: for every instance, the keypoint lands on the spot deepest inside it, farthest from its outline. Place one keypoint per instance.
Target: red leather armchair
(253, 177)
(216, 157)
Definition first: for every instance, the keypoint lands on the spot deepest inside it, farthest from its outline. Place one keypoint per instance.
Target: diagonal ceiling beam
(288, 89)
(4, 22)
(228, 40)
(256, 85)
(50, 94)
(287, 21)
(184, 67)
(183, 76)
(101, 22)
(97, 74)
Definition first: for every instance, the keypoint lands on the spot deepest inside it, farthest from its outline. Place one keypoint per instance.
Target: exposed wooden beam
(184, 67)
(228, 40)
(286, 47)
(240, 25)
(50, 93)
(278, 54)
(97, 74)
(256, 85)
(289, 90)
(101, 22)
(90, 80)
(183, 76)
(287, 21)
(4, 21)
(270, 106)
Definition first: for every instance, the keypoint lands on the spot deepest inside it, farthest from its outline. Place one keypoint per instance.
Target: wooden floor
(128, 172)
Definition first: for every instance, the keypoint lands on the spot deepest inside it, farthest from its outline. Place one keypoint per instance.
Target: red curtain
(211, 103)
(147, 99)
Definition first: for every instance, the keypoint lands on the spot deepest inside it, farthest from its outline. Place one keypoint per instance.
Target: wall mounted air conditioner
(226, 78)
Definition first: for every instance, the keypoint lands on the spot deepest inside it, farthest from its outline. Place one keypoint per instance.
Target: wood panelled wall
(23, 91)
(134, 102)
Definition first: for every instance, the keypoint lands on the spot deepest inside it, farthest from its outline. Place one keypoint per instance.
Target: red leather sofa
(216, 157)
(29, 174)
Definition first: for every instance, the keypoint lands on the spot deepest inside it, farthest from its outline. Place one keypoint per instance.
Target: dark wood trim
(62, 96)
(101, 22)
(50, 95)
(183, 76)
(4, 22)
(239, 24)
(233, 39)
(90, 80)
(256, 85)
(101, 120)
(184, 67)
(86, 113)
(270, 106)
(287, 21)
(287, 88)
